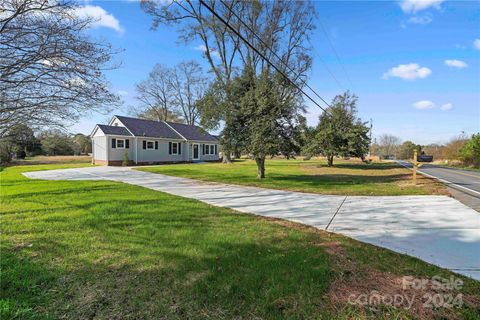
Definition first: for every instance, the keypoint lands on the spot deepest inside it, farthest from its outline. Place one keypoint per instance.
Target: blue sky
(415, 64)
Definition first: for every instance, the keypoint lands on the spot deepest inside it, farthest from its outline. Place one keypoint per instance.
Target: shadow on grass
(154, 265)
(362, 166)
(337, 179)
(139, 261)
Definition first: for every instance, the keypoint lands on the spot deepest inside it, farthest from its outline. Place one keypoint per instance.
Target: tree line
(460, 150)
(21, 142)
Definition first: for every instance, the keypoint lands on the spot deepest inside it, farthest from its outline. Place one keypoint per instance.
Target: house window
(120, 143)
(174, 148)
(209, 149)
(150, 145)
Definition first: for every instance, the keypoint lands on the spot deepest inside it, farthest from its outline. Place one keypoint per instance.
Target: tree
(388, 145)
(284, 26)
(155, 94)
(405, 150)
(339, 131)
(172, 93)
(263, 122)
(302, 134)
(51, 71)
(55, 142)
(470, 152)
(82, 144)
(152, 114)
(189, 86)
(451, 151)
(18, 140)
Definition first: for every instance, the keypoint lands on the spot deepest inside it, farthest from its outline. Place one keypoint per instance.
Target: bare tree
(51, 71)
(284, 26)
(153, 114)
(388, 144)
(172, 93)
(155, 94)
(189, 86)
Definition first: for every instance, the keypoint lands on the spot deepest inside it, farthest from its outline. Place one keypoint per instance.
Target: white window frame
(177, 146)
(116, 143)
(153, 145)
(209, 149)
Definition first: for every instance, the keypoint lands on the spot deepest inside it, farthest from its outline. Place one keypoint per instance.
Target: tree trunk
(260, 167)
(330, 161)
(227, 158)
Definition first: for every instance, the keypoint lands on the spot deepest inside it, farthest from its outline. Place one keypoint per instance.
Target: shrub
(125, 161)
(470, 152)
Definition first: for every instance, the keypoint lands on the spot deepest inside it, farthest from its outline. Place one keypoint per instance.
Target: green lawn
(345, 178)
(106, 250)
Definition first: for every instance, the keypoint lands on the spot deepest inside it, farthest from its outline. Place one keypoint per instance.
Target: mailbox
(424, 158)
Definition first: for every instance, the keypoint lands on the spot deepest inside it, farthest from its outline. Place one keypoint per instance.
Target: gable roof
(120, 131)
(191, 132)
(149, 128)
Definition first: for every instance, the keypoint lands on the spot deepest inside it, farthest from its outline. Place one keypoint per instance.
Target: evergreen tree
(340, 132)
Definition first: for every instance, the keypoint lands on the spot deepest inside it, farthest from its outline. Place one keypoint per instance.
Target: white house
(151, 142)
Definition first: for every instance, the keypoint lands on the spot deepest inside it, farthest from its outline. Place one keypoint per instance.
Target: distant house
(151, 142)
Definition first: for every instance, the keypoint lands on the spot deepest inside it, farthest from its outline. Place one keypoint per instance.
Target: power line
(273, 52)
(326, 67)
(335, 51)
(202, 2)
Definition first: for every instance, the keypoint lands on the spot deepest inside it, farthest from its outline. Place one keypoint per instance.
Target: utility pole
(370, 147)
(415, 165)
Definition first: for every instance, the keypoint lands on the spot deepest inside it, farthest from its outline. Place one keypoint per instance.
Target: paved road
(465, 180)
(436, 229)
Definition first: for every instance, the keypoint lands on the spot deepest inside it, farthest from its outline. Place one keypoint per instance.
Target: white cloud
(424, 104)
(202, 48)
(122, 92)
(426, 19)
(412, 6)
(456, 64)
(476, 44)
(446, 106)
(409, 71)
(101, 17)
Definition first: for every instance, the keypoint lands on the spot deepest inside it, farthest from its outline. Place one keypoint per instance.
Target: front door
(195, 151)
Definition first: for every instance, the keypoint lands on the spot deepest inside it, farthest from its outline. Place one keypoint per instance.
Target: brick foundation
(145, 163)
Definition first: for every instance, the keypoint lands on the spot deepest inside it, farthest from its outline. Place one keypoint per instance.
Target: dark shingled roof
(191, 132)
(120, 131)
(149, 128)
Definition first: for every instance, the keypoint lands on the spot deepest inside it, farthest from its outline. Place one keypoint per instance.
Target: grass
(99, 249)
(461, 167)
(345, 178)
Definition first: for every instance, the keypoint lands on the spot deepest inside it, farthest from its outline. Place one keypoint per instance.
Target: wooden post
(415, 165)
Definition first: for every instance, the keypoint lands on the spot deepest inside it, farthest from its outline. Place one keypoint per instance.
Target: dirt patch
(424, 298)
(52, 160)
(333, 248)
(22, 245)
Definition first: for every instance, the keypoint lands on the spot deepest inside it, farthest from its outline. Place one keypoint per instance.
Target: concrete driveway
(437, 229)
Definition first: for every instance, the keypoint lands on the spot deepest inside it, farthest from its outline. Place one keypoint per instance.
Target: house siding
(99, 147)
(160, 155)
(118, 154)
(202, 157)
